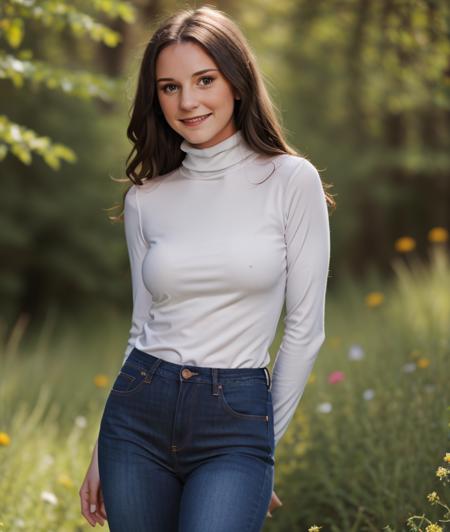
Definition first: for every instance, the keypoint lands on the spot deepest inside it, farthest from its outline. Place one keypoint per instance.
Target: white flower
(47, 460)
(409, 367)
(325, 408)
(368, 394)
(81, 422)
(356, 352)
(49, 497)
(19, 522)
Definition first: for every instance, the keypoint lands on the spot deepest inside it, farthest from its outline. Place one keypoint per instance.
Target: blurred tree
(56, 243)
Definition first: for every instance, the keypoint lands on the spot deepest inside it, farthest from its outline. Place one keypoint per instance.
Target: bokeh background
(363, 90)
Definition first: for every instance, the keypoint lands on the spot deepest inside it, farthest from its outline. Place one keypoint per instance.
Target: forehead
(182, 60)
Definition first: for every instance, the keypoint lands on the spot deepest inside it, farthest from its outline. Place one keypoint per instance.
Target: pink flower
(336, 376)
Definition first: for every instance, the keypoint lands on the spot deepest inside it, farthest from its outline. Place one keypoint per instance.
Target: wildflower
(355, 352)
(336, 376)
(312, 378)
(438, 234)
(415, 353)
(65, 480)
(80, 421)
(405, 244)
(423, 362)
(447, 457)
(314, 528)
(433, 497)
(4, 439)
(324, 408)
(368, 394)
(433, 527)
(49, 497)
(101, 380)
(409, 367)
(373, 299)
(19, 522)
(441, 472)
(47, 460)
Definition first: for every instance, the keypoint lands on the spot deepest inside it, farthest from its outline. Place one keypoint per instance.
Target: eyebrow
(193, 75)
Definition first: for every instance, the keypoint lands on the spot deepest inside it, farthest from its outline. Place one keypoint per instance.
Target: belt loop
(269, 379)
(215, 381)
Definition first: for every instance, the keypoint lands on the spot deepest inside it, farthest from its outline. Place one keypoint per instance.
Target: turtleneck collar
(215, 161)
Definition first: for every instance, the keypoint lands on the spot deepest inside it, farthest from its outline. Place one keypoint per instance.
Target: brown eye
(166, 86)
(208, 78)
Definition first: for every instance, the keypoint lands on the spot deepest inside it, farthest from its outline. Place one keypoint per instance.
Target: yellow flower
(433, 528)
(4, 439)
(441, 472)
(65, 480)
(312, 378)
(438, 234)
(433, 497)
(405, 244)
(101, 380)
(447, 457)
(314, 528)
(373, 299)
(423, 362)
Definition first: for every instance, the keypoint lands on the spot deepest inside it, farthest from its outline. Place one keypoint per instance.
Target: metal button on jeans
(187, 373)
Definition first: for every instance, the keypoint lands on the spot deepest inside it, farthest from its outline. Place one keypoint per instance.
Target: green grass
(364, 465)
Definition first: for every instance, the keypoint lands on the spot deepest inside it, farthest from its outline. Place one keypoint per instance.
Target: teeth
(193, 120)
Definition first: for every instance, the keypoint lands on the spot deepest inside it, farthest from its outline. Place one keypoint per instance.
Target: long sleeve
(307, 239)
(137, 249)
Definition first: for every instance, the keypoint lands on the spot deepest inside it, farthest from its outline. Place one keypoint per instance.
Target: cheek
(223, 100)
(167, 106)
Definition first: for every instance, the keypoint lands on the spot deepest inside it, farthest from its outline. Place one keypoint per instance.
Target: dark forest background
(362, 88)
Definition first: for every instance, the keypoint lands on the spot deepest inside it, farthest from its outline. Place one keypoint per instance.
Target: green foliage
(82, 84)
(22, 142)
(21, 67)
(59, 15)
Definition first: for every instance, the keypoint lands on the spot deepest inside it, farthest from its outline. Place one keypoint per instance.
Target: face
(189, 84)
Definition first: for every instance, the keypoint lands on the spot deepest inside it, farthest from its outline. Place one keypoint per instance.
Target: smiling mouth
(196, 120)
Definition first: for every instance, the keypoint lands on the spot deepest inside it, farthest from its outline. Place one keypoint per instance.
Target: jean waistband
(196, 373)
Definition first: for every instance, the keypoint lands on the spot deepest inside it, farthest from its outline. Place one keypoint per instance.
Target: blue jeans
(186, 448)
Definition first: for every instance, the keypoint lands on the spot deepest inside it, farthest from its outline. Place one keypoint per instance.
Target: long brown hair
(156, 146)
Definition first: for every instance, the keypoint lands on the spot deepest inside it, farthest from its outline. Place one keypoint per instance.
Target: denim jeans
(186, 448)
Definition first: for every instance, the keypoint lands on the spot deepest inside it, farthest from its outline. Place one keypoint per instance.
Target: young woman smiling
(224, 223)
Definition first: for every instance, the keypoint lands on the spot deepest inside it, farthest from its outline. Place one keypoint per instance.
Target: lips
(196, 120)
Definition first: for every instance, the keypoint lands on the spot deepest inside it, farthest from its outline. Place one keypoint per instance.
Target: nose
(188, 100)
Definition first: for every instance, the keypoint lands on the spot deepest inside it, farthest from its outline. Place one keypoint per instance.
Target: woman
(224, 222)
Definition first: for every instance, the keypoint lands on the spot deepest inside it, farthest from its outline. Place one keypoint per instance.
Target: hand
(274, 503)
(91, 494)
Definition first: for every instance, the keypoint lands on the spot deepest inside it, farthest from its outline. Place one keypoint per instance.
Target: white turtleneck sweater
(216, 247)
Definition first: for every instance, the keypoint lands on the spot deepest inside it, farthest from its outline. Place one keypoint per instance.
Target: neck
(214, 162)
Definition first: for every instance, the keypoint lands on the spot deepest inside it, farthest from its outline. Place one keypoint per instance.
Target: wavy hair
(156, 146)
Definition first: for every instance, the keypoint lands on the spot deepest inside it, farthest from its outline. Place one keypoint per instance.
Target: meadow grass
(360, 454)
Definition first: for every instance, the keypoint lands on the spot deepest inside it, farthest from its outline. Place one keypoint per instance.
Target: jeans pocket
(245, 400)
(130, 379)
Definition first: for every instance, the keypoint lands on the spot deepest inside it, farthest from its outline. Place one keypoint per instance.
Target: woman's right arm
(91, 496)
